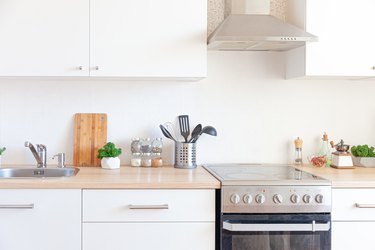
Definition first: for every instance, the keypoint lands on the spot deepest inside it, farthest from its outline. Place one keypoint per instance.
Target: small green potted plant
(1, 152)
(109, 156)
(363, 155)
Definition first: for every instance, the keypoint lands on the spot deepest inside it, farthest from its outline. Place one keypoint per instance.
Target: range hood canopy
(250, 27)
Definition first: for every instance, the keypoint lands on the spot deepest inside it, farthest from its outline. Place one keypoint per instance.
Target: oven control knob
(260, 198)
(295, 198)
(277, 198)
(247, 198)
(235, 198)
(319, 198)
(307, 198)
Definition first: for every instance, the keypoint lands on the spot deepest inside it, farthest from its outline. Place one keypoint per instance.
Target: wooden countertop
(359, 177)
(166, 177)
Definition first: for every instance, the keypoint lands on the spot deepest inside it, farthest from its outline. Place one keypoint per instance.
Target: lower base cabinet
(148, 219)
(40, 219)
(353, 235)
(143, 236)
(353, 219)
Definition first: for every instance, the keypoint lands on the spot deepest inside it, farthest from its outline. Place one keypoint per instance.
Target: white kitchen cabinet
(132, 38)
(353, 227)
(44, 38)
(149, 219)
(353, 235)
(129, 39)
(346, 44)
(40, 219)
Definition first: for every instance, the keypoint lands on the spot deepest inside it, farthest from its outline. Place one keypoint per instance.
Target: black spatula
(184, 126)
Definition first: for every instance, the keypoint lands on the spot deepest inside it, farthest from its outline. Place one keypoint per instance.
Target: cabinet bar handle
(164, 206)
(358, 205)
(26, 206)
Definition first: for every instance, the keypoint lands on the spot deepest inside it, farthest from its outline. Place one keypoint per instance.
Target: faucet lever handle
(60, 160)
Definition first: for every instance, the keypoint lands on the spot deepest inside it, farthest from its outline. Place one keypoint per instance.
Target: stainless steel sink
(37, 172)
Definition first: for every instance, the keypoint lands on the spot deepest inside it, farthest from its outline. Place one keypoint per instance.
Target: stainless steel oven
(276, 232)
(274, 207)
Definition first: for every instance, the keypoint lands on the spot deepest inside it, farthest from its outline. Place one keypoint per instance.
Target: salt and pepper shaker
(146, 152)
(136, 152)
(298, 151)
(157, 148)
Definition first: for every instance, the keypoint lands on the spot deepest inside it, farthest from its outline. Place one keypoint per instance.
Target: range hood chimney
(249, 26)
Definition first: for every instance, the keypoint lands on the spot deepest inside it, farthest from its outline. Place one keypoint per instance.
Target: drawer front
(141, 236)
(148, 205)
(344, 206)
(353, 235)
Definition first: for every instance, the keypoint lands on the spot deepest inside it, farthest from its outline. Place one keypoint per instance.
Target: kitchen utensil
(166, 133)
(206, 130)
(341, 158)
(185, 155)
(196, 132)
(184, 126)
(90, 134)
(171, 129)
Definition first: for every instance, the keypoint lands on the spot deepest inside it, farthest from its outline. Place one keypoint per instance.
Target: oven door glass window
(276, 232)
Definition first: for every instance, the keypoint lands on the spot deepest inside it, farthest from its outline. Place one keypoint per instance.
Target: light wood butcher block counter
(359, 177)
(166, 177)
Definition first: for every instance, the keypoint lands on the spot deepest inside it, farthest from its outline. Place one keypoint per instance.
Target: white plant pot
(110, 162)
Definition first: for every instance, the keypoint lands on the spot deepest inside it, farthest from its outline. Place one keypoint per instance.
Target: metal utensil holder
(185, 155)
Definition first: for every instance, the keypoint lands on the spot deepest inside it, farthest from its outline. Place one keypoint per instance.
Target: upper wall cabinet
(148, 38)
(112, 38)
(346, 44)
(44, 38)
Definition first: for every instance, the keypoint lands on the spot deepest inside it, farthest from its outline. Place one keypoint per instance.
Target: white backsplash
(257, 113)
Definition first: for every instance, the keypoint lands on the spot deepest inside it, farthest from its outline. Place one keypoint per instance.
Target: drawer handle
(358, 205)
(164, 206)
(26, 206)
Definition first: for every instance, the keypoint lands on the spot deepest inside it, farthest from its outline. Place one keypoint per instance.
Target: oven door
(276, 232)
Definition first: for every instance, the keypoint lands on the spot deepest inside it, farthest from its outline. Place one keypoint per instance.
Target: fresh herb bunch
(363, 151)
(109, 150)
(2, 150)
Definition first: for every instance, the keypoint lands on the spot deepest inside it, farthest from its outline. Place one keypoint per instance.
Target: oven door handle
(313, 227)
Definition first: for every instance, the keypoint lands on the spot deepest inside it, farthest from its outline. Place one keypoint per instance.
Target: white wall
(257, 113)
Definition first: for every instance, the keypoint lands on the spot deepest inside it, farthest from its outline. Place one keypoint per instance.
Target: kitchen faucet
(40, 154)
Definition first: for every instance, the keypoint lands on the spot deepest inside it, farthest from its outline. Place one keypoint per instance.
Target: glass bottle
(136, 153)
(146, 152)
(298, 151)
(325, 150)
(157, 148)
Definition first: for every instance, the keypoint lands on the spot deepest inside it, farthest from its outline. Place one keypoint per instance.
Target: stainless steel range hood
(250, 27)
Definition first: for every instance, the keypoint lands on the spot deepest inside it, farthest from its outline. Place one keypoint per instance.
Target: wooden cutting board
(90, 134)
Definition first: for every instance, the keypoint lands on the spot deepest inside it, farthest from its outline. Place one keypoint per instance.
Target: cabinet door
(143, 236)
(346, 43)
(353, 235)
(44, 37)
(54, 222)
(147, 39)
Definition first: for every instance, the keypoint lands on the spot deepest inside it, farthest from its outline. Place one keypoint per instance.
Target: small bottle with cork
(298, 151)
(325, 150)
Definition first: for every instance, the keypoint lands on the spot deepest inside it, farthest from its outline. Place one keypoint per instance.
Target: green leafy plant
(363, 151)
(2, 150)
(109, 150)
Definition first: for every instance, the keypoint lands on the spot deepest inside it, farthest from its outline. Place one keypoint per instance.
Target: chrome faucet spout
(40, 154)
